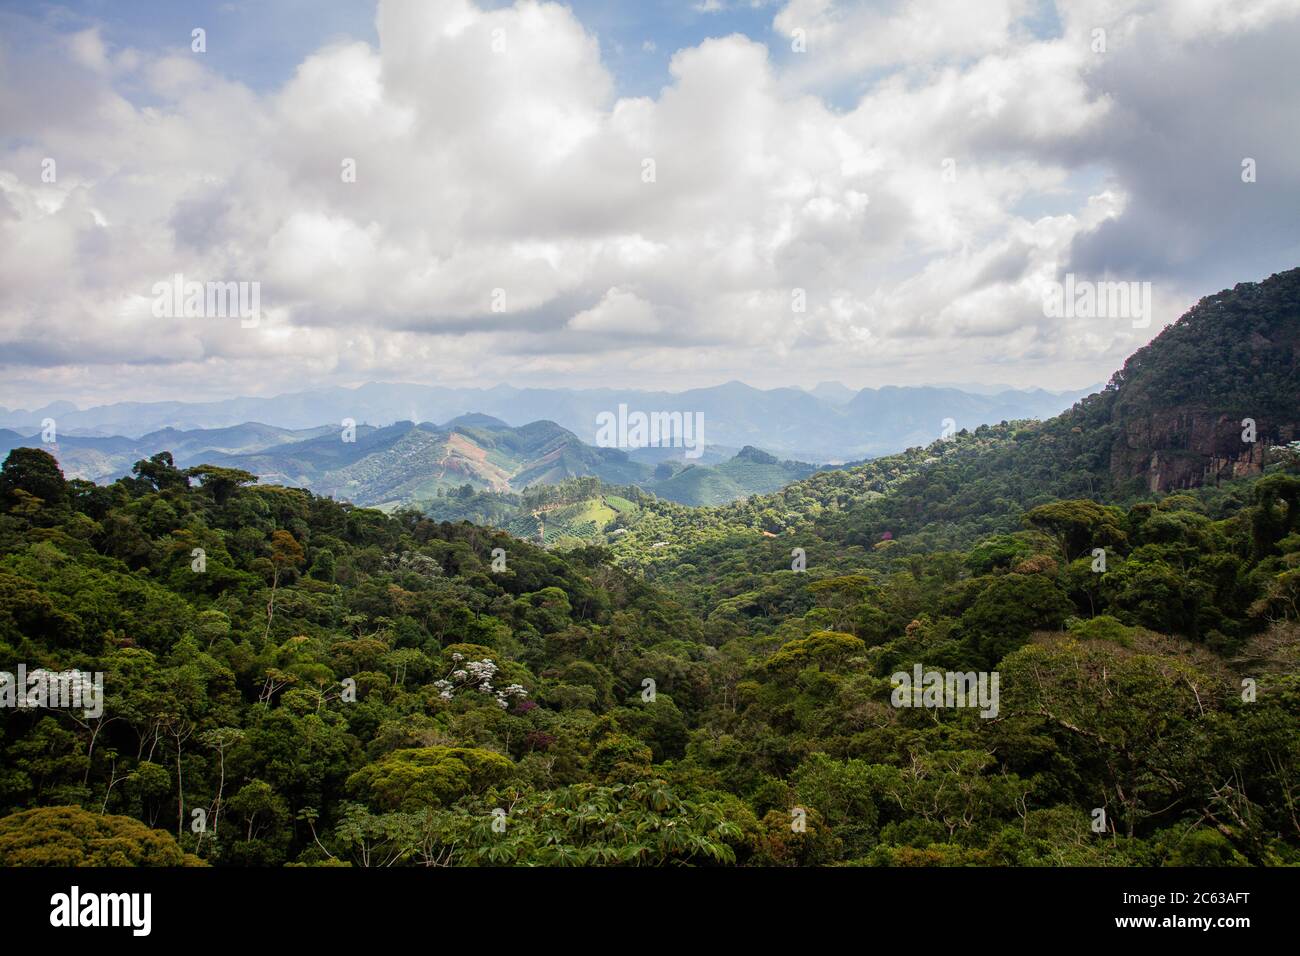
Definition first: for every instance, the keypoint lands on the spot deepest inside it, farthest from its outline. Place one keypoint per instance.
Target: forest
(289, 680)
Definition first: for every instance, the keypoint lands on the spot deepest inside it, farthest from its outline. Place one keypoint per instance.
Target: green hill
(951, 493)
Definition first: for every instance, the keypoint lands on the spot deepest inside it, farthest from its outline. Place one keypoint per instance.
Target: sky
(653, 194)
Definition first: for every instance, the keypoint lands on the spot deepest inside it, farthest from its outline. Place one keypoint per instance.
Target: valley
(984, 645)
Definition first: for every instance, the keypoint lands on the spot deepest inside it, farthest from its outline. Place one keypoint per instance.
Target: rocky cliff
(1208, 397)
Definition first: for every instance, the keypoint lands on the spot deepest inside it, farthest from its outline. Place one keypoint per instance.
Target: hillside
(1182, 401)
(409, 465)
(406, 463)
(338, 685)
(947, 494)
(579, 506)
(750, 471)
(334, 685)
(412, 465)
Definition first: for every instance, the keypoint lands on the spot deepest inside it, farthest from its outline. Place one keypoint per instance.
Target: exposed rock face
(1181, 403)
(1184, 448)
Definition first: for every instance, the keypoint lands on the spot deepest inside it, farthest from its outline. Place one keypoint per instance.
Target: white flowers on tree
(478, 675)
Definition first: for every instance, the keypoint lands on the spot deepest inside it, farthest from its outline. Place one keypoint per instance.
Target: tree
(259, 808)
(843, 793)
(34, 471)
(825, 649)
(1010, 609)
(286, 554)
(1277, 510)
(410, 780)
(842, 596)
(1079, 526)
(641, 824)
(161, 473)
(1138, 718)
(220, 482)
(71, 836)
(323, 567)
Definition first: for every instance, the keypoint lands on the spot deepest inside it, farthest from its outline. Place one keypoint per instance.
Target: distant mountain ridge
(410, 464)
(829, 424)
(109, 457)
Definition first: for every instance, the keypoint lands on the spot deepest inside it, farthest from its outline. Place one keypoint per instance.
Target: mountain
(698, 486)
(1185, 405)
(892, 418)
(189, 446)
(585, 508)
(832, 393)
(104, 458)
(406, 463)
(411, 464)
(1173, 417)
(1170, 419)
(829, 424)
(656, 455)
(751, 471)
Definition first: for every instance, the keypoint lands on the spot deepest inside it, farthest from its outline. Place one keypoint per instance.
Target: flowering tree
(477, 675)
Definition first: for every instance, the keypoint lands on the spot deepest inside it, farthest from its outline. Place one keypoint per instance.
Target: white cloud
(618, 313)
(492, 153)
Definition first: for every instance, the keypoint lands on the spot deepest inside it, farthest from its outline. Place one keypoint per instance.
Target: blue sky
(260, 42)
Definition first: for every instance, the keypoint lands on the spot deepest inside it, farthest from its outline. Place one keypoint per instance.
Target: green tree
(410, 780)
(71, 836)
(35, 472)
(1079, 526)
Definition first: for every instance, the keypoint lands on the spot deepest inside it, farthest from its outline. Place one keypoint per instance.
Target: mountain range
(409, 463)
(1213, 400)
(829, 424)
(1173, 417)
(1155, 424)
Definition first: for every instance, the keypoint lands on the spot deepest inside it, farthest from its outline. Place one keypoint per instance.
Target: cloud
(852, 37)
(1176, 148)
(468, 200)
(619, 313)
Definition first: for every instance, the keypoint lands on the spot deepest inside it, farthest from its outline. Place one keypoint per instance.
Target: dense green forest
(292, 680)
(337, 685)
